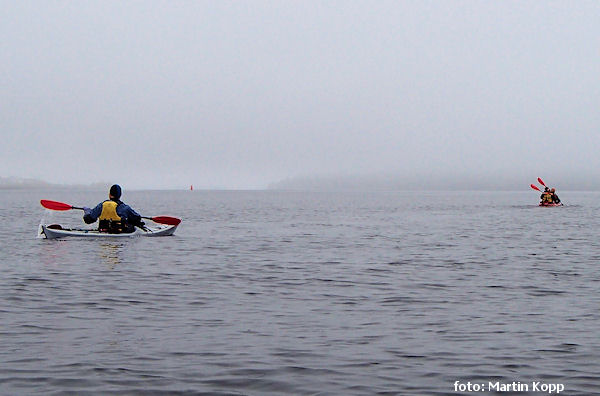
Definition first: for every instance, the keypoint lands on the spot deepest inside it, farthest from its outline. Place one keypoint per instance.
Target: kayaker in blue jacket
(114, 216)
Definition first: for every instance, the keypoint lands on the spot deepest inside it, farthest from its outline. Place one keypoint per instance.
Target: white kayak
(54, 231)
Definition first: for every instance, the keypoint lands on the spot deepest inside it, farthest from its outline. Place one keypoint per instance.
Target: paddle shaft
(77, 207)
(55, 205)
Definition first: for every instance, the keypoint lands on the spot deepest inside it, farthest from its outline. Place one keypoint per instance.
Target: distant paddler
(554, 197)
(546, 197)
(549, 196)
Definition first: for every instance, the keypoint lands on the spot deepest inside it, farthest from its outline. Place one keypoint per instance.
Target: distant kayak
(54, 231)
(548, 195)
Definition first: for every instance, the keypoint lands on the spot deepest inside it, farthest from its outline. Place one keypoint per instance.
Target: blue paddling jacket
(114, 215)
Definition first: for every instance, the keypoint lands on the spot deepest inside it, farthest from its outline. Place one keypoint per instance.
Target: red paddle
(164, 220)
(55, 205)
(542, 182)
(535, 187)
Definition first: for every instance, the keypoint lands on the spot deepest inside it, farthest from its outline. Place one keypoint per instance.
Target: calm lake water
(291, 293)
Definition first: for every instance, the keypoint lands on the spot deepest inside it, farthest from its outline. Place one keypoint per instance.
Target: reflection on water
(66, 253)
(110, 252)
(54, 253)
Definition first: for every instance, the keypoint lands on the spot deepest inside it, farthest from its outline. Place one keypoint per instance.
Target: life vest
(109, 220)
(547, 197)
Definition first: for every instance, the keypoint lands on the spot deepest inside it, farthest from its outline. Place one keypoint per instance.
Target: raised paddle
(55, 205)
(542, 182)
(535, 187)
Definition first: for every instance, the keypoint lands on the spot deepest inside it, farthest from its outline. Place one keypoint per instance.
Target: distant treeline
(14, 183)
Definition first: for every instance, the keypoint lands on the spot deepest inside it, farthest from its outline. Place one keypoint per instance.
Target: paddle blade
(165, 220)
(541, 181)
(535, 187)
(54, 205)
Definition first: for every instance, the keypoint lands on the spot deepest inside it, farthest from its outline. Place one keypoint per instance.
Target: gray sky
(239, 94)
